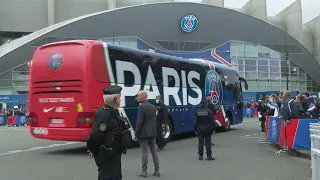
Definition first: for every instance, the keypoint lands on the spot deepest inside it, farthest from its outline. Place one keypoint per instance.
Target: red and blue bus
(66, 79)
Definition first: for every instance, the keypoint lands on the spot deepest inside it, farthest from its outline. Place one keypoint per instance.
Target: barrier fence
(293, 135)
(315, 150)
(13, 121)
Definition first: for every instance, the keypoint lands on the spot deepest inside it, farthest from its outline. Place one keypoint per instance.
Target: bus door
(240, 102)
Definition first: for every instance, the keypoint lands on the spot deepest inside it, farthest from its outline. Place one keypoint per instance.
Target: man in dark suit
(146, 132)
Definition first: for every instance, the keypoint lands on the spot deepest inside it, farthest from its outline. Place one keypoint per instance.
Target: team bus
(66, 81)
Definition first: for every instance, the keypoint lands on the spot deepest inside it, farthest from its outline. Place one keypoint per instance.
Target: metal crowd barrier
(315, 150)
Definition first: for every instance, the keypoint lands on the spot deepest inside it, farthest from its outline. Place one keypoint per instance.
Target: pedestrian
(146, 132)
(106, 143)
(204, 126)
(290, 110)
(162, 117)
(262, 112)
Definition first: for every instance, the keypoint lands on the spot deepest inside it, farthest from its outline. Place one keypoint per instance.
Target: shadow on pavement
(77, 151)
(82, 150)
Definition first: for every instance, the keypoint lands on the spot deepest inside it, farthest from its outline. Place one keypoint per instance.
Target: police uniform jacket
(106, 131)
(204, 121)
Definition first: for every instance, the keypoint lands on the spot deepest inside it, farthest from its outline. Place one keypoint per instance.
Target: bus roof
(129, 49)
(217, 65)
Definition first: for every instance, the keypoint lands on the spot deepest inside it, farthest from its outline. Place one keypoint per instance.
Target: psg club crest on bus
(189, 23)
(55, 61)
(213, 86)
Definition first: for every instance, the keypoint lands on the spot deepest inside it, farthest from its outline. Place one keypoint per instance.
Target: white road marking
(248, 135)
(37, 148)
(251, 137)
(13, 128)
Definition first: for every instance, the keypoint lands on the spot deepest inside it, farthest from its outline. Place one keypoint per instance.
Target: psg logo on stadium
(213, 86)
(55, 61)
(274, 129)
(189, 23)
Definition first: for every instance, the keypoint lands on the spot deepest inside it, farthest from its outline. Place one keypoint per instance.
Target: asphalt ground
(238, 157)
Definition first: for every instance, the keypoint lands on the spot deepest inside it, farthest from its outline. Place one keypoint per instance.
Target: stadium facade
(268, 51)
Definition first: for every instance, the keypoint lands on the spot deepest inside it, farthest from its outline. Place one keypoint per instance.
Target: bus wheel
(167, 131)
(227, 123)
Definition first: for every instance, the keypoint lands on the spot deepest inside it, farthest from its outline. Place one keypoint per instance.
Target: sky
(310, 8)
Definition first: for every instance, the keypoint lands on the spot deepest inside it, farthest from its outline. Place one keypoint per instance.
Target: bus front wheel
(167, 131)
(227, 123)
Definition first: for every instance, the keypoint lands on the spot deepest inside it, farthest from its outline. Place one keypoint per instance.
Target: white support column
(112, 4)
(50, 6)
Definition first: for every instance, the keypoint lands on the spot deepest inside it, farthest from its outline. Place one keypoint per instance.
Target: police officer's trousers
(204, 139)
(109, 167)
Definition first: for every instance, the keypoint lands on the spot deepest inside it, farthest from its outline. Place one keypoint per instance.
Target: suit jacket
(290, 110)
(146, 121)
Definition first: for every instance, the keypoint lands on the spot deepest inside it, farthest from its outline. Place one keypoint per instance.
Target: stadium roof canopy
(161, 21)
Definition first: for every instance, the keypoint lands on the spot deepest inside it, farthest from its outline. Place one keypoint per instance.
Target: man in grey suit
(146, 132)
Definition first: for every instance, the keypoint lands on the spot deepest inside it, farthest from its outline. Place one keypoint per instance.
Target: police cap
(113, 89)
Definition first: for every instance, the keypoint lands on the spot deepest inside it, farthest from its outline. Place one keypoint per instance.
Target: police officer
(212, 107)
(105, 142)
(203, 127)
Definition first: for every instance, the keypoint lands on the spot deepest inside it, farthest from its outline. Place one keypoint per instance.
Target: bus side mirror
(245, 83)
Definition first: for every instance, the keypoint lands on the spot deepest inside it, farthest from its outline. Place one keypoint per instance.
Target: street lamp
(287, 68)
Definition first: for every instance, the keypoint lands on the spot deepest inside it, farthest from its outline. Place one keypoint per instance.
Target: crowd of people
(13, 112)
(301, 106)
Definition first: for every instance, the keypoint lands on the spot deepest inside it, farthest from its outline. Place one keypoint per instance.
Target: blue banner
(302, 140)
(20, 120)
(274, 130)
(248, 112)
(3, 120)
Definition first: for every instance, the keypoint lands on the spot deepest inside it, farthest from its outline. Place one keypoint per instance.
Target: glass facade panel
(275, 62)
(251, 75)
(263, 69)
(274, 55)
(259, 64)
(274, 75)
(274, 69)
(233, 51)
(252, 62)
(255, 51)
(251, 68)
(240, 68)
(263, 62)
(240, 50)
(263, 75)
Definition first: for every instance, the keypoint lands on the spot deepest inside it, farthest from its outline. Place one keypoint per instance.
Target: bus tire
(228, 123)
(167, 130)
